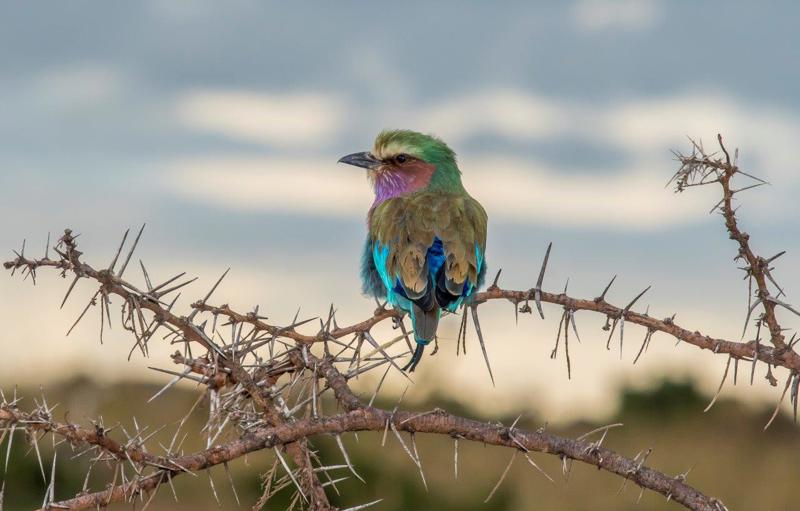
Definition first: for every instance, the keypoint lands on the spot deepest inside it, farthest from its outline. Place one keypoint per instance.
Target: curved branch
(357, 418)
(436, 422)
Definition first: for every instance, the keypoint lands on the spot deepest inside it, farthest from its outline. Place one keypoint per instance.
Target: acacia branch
(375, 419)
(779, 356)
(743, 350)
(357, 418)
(695, 170)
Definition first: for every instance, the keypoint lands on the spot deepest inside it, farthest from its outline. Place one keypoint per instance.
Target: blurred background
(219, 126)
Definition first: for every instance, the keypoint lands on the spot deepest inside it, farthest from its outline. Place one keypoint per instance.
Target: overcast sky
(219, 125)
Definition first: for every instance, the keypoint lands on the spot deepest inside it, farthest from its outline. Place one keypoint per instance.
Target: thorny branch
(264, 382)
(700, 168)
(358, 418)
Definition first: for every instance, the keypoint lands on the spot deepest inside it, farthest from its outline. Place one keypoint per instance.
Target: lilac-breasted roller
(426, 236)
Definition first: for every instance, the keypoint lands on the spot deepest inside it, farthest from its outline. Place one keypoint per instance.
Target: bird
(426, 236)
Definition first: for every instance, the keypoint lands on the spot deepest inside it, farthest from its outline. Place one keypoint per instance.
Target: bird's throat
(390, 183)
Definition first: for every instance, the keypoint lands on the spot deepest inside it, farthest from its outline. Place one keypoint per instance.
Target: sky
(219, 126)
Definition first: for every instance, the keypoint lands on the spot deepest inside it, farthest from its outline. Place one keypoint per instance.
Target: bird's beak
(365, 160)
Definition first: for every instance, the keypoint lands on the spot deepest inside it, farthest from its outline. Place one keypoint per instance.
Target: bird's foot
(415, 358)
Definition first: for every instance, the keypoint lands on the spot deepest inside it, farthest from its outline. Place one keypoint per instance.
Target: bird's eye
(401, 158)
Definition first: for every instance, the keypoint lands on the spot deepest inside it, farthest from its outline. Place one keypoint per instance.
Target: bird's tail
(425, 323)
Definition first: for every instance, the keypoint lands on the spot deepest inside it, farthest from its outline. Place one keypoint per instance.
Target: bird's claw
(415, 358)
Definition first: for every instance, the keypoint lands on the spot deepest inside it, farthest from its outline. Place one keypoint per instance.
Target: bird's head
(404, 161)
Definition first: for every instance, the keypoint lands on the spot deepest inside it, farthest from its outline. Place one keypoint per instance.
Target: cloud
(651, 121)
(527, 192)
(279, 184)
(596, 15)
(515, 188)
(512, 189)
(282, 120)
(645, 128)
(77, 86)
(653, 124)
(508, 113)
